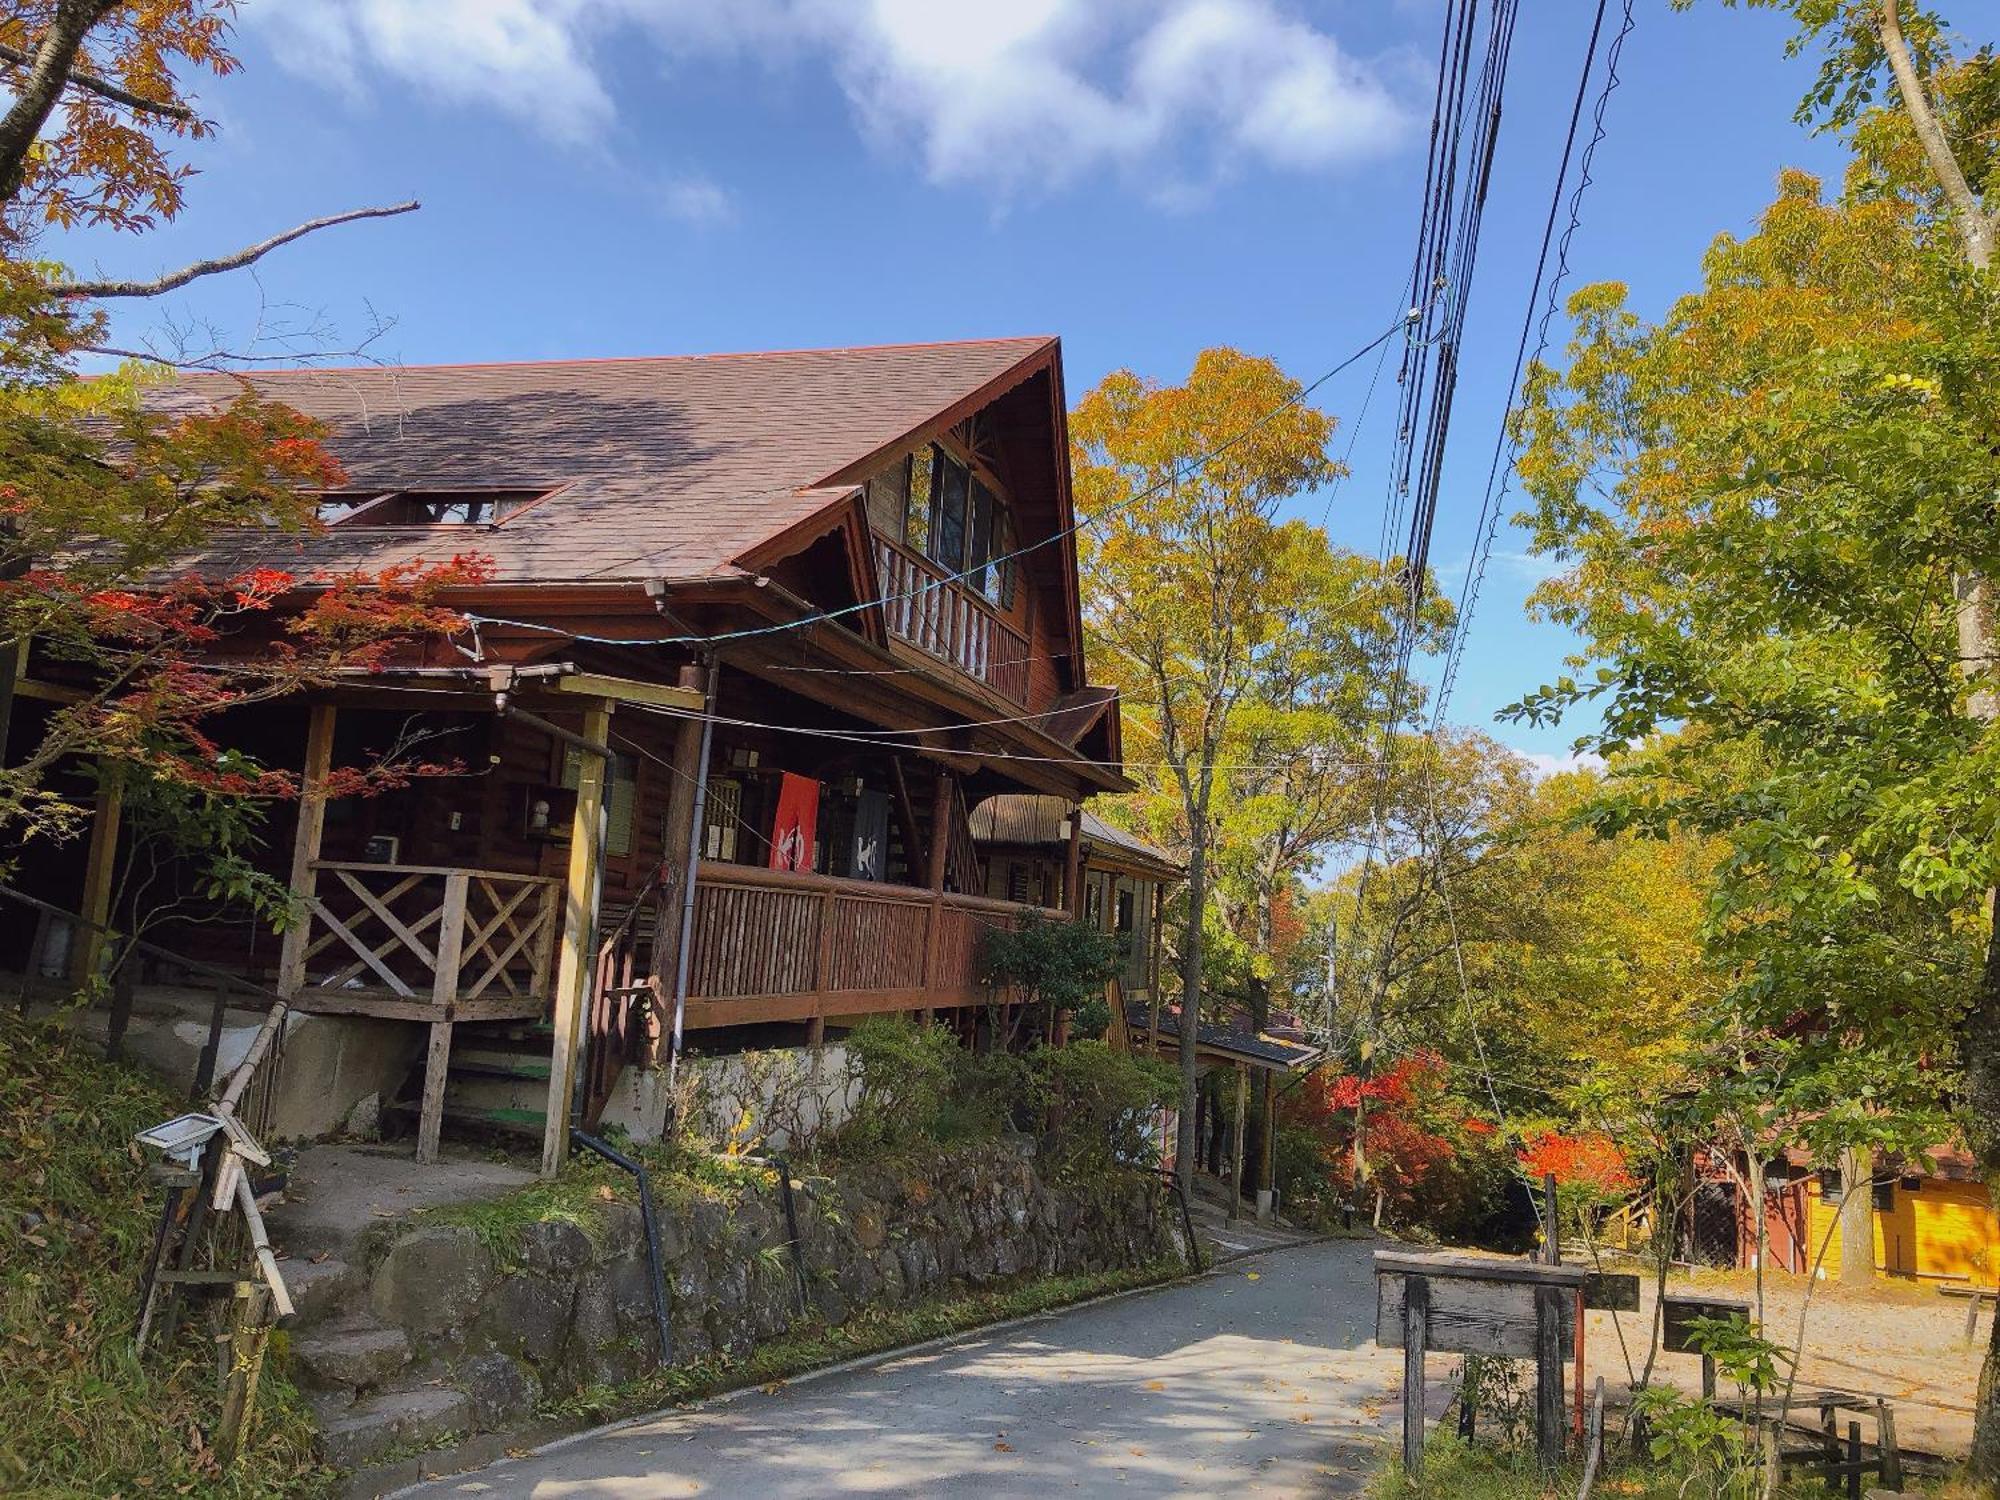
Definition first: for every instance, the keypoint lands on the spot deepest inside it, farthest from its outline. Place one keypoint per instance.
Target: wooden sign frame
(1467, 1305)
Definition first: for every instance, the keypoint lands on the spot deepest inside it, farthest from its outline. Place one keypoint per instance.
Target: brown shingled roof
(670, 467)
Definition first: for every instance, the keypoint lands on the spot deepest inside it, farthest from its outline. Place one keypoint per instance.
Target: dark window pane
(983, 507)
(948, 514)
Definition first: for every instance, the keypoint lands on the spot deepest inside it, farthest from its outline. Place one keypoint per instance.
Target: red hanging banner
(797, 822)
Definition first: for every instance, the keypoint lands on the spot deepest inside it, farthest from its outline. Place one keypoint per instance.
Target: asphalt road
(1260, 1379)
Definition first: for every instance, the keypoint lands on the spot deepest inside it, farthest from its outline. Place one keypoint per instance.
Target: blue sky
(1143, 177)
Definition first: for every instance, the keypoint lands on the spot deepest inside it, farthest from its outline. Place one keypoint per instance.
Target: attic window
(426, 507)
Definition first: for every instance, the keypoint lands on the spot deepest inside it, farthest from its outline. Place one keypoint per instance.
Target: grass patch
(1454, 1471)
(868, 1331)
(80, 1413)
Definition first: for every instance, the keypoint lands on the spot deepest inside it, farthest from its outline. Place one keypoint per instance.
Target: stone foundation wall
(557, 1307)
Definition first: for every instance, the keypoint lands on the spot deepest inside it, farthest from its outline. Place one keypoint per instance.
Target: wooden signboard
(1677, 1314)
(1477, 1306)
(1611, 1291)
(1460, 1304)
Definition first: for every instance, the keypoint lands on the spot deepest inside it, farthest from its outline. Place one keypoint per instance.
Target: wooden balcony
(427, 942)
(770, 945)
(950, 621)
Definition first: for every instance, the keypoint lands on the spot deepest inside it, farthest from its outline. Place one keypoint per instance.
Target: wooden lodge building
(788, 622)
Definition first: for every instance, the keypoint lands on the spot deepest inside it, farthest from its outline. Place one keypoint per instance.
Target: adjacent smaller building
(1035, 853)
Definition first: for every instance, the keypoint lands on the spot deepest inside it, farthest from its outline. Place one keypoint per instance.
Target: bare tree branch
(233, 262)
(48, 73)
(104, 88)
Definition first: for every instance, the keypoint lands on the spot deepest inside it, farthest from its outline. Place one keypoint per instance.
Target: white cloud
(697, 200)
(1016, 97)
(1543, 765)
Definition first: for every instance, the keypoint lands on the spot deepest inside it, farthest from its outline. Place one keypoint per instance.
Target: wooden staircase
(497, 1073)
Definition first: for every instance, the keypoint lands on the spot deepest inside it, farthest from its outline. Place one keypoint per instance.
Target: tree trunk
(1857, 1218)
(1184, 1140)
(1980, 1043)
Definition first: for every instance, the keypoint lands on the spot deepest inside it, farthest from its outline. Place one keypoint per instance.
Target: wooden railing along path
(772, 945)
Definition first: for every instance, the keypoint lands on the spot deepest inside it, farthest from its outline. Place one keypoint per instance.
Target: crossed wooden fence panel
(506, 927)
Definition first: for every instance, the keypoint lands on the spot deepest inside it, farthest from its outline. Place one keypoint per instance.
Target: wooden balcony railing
(770, 945)
(417, 940)
(950, 621)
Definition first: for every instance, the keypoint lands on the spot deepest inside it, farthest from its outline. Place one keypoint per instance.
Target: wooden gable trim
(1044, 357)
(847, 515)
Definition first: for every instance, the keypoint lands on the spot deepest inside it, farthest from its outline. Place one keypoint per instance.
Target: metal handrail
(141, 945)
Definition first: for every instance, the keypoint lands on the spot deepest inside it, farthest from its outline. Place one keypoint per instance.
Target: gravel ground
(1899, 1340)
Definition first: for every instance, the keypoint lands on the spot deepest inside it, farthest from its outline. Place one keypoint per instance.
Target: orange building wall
(1941, 1229)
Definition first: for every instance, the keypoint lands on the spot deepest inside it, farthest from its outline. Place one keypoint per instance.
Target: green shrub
(1056, 966)
(907, 1071)
(1102, 1102)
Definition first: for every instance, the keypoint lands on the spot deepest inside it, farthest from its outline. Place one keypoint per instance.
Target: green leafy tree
(1777, 510)
(1198, 596)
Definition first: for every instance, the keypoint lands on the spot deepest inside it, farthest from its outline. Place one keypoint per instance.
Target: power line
(1505, 444)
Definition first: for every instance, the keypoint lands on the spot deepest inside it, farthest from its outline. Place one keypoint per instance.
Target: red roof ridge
(1027, 340)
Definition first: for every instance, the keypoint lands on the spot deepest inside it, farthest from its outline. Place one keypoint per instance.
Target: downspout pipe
(618, 1158)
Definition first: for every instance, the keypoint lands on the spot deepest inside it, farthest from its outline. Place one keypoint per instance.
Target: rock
(594, 1314)
(624, 1232)
(869, 1231)
(499, 1389)
(432, 1279)
(356, 1357)
(318, 1288)
(528, 1315)
(371, 1428)
(555, 1246)
(364, 1121)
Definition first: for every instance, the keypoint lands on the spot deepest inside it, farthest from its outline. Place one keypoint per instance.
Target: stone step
(319, 1288)
(357, 1356)
(370, 1428)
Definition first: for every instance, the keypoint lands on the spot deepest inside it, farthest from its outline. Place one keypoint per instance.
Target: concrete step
(370, 1428)
(500, 1063)
(319, 1288)
(357, 1356)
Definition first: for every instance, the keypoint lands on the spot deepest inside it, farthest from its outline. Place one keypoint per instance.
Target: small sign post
(1457, 1304)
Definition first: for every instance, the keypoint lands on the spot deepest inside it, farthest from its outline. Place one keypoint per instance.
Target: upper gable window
(937, 504)
(426, 507)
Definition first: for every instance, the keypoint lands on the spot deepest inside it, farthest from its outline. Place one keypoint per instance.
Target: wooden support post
(100, 865)
(940, 830)
(123, 981)
(444, 992)
(679, 849)
(1549, 1376)
(204, 1070)
(1887, 1451)
(1708, 1377)
(1552, 1248)
(1576, 1418)
(1242, 1108)
(1267, 1166)
(247, 1343)
(573, 961)
(1073, 863)
(822, 971)
(1416, 1336)
(305, 845)
(1854, 1460)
